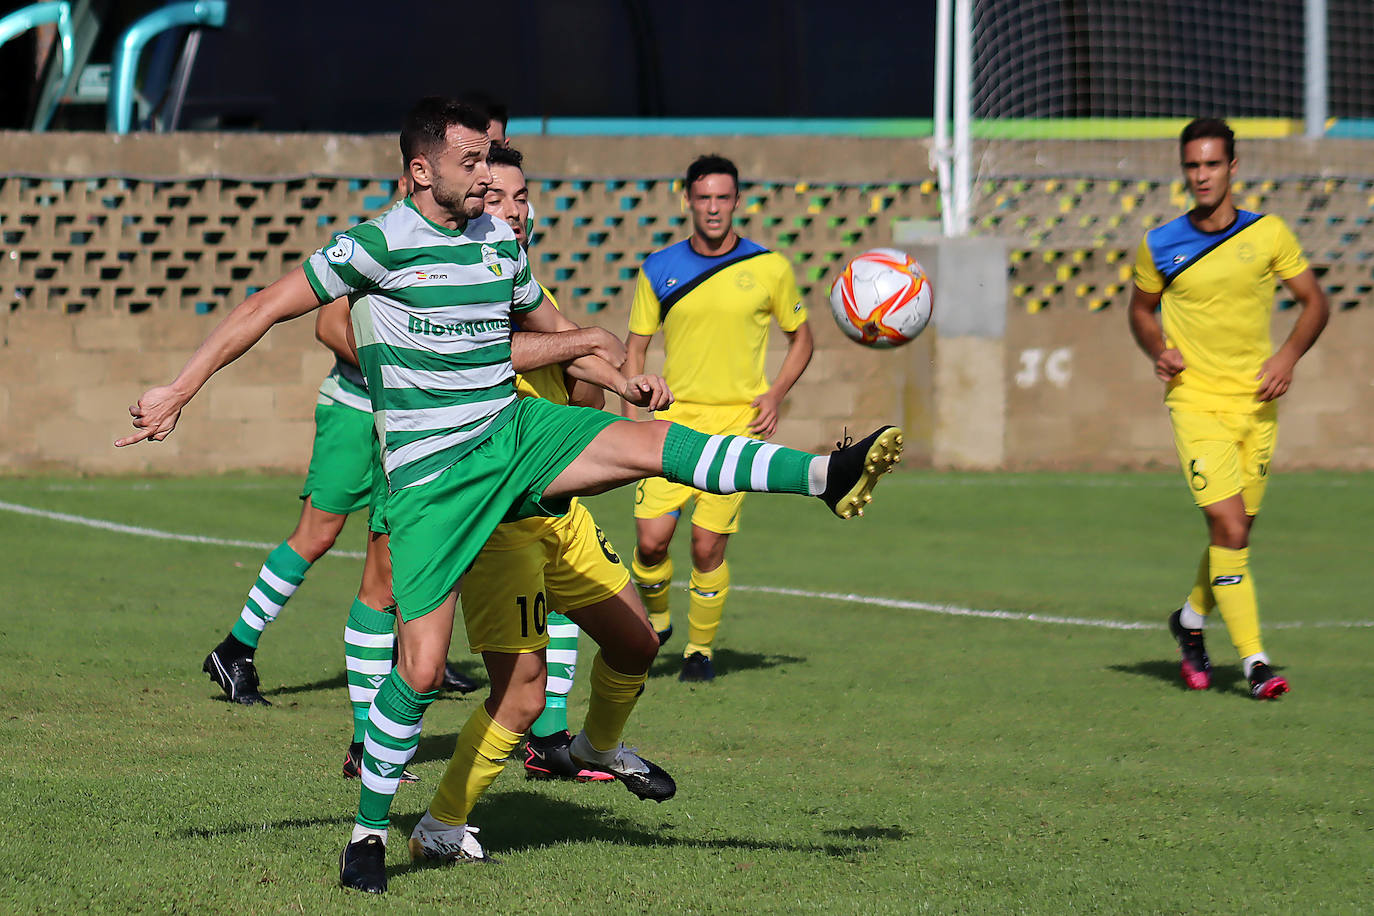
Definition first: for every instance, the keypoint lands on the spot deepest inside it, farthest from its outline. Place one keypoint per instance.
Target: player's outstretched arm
(1277, 372)
(156, 413)
(1149, 334)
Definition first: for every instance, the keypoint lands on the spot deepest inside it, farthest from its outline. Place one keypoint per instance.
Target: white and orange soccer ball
(882, 298)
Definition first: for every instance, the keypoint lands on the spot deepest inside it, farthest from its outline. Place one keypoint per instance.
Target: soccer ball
(882, 298)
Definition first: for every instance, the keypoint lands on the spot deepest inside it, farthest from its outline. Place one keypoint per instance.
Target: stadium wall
(118, 254)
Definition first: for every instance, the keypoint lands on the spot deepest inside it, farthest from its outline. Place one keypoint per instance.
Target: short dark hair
(710, 164)
(506, 155)
(426, 126)
(488, 104)
(1209, 128)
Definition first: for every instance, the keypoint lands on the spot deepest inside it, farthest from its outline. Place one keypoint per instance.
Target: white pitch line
(948, 610)
(951, 610)
(153, 532)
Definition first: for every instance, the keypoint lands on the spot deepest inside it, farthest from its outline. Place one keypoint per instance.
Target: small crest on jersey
(672, 281)
(1180, 258)
(341, 251)
(491, 260)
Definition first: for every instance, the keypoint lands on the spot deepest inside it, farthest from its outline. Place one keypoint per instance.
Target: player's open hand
(155, 415)
(647, 391)
(1275, 376)
(1168, 364)
(766, 423)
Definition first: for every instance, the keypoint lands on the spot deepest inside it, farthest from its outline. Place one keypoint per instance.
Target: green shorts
(438, 527)
(340, 475)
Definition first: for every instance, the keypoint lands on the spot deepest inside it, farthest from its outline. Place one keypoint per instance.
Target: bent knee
(652, 552)
(422, 676)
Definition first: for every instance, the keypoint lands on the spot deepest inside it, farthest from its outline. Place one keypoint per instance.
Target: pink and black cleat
(1194, 666)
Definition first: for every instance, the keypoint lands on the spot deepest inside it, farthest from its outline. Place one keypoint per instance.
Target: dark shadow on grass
(434, 747)
(728, 661)
(517, 821)
(337, 682)
(869, 833)
(514, 822)
(340, 682)
(1224, 677)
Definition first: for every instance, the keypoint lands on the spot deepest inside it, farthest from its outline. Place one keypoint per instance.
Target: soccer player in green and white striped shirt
(436, 284)
(338, 483)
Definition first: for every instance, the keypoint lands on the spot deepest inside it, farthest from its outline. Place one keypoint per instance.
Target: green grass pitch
(853, 756)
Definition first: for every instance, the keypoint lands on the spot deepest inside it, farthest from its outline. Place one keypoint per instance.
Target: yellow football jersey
(715, 312)
(1218, 298)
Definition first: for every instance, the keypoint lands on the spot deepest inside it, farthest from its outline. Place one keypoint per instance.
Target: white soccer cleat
(436, 842)
(644, 778)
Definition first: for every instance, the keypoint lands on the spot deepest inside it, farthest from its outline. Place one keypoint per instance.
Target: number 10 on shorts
(536, 615)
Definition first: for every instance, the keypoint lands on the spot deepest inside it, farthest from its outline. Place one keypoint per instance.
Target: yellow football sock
(483, 746)
(1235, 595)
(653, 583)
(708, 591)
(1201, 597)
(613, 699)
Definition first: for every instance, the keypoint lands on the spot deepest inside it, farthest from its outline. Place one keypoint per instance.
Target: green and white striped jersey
(431, 310)
(345, 385)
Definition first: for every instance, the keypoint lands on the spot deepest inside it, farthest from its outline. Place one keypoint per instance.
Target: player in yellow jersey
(713, 295)
(1212, 272)
(528, 572)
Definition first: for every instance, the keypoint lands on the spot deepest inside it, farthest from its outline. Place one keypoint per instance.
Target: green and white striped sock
(729, 464)
(278, 580)
(369, 641)
(393, 733)
(562, 665)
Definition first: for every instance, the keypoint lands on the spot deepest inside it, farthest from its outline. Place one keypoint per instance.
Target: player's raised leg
(624, 452)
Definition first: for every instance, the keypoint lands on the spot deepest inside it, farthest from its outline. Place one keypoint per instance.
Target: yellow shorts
(508, 592)
(656, 497)
(1223, 454)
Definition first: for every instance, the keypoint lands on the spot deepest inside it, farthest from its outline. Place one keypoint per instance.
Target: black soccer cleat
(1194, 666)
(644, 778)
(697, 668)
(353, 764)
(548, 758)
(236, 676)
(665, 634)
(362, 865)
(457, 680)
(856, 467)
(1265, 684)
